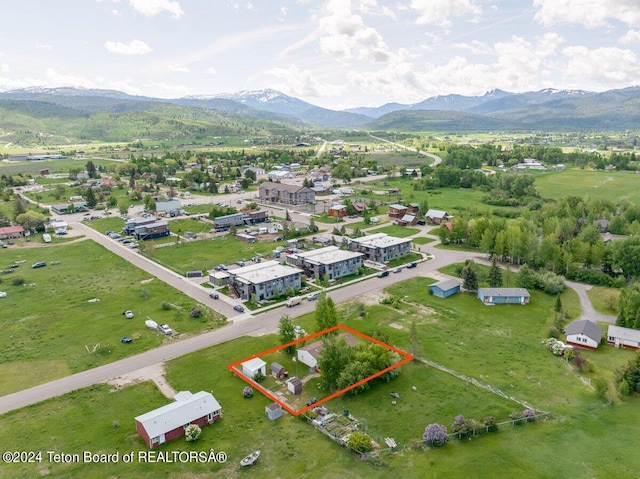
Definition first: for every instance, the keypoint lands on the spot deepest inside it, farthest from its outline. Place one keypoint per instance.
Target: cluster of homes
(266, 280)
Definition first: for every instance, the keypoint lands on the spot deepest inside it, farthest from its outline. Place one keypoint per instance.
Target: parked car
(165, 329)
(39, 264)
(128, 314)
(383, 274)
(214, 295)
(412, 265)
(312, 401)
(397, 270)
(240, 263)
(126, 340)
(239, 308)
(313, 296)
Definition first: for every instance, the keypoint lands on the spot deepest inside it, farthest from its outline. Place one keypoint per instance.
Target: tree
(526, 278)
(469, 277)
(360, 442)
(287, 332)
(558, 306)
(91, 198)
(495, 273)
(325, 313)
(32, 220)
(59, 192)
(312, 226)
(287, 216)
(91, 170)
(20, 206)
(435, 435)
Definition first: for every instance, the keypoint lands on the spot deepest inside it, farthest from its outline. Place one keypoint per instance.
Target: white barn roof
(187, 407)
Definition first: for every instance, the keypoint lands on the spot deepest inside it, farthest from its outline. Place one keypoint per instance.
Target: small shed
(218, 278)
(246, 238)
(273, 411)
(446, 288)
(251, 367)
(584, 333)
(493, 296)
(278, 371)
(294, 385)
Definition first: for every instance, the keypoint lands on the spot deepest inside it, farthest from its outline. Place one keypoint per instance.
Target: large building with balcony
(264, 281)
(330, 262)
(381, 247)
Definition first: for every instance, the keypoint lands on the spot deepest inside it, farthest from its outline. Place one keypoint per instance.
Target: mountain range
(548, 109)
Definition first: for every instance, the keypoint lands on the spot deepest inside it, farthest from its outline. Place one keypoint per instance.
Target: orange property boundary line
(296, 412)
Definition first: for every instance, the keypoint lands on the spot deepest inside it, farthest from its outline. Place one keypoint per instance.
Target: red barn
(169, 422)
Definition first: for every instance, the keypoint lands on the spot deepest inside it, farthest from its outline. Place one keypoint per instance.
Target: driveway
(588, 312)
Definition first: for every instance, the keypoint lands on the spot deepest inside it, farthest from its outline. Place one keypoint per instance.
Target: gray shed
(273, 411)
(294, 385)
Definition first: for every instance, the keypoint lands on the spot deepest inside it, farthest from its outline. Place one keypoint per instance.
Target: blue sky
(333, 53)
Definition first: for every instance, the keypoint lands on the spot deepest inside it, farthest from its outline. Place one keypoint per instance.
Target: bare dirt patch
(145, 281)
(154, 373)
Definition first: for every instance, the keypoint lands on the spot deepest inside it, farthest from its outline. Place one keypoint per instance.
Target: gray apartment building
(381, 247)
(263, 281)
(330, 262)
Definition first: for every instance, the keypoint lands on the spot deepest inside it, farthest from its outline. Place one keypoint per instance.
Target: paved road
(588, 311)
(265, 323)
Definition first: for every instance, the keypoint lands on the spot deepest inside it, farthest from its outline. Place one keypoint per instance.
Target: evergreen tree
(558, 306)
(91, 198)
(469, 277)
(325, 314)
(495, 273)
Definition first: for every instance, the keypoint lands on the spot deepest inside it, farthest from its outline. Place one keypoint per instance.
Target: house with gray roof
(491, 296)
(445, 288)
(584, 333)
(623, 337)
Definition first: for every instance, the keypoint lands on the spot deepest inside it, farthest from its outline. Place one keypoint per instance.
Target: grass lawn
(457, 332)
(395, 230)
(603, 299)
(606, 185)
(423, 240)
(48, 323)
(182, 225)
(207, 254)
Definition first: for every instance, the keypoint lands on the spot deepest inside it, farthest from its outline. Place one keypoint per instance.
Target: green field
(207, 254)
(48, 322)
(614, 186)
(395, 230)
(457, 332)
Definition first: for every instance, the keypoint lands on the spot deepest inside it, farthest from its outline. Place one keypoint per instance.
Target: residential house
(623, 337)
(254, 366)
(286, 194)
(311, 353)
(219, 278)
(491, 296)
(277, 175)
(131, 224)
(149, 231)
(11, 232)
(413, 209)
(330, 262)
(437, 216)
(359, 208)
(263, 281)
(583, 333)
(381, 247)
(397, 211)
(170, 422)
(407, 220)
(445, 288)
(337, 211)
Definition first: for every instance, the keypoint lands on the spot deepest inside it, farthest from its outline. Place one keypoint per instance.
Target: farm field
(48, 322)
(578, 441)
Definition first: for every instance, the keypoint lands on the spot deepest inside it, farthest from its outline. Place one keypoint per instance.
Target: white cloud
(212, 71)
(4, 68)
(178, 69)
(438, 12)
(344, 35)
(476, 47)
(302, 83)
(371, 7)
(632, 36)
(134, 47)
(150, 8)
(590, 13)
(116, 13)
(43, 46)
(600, 68)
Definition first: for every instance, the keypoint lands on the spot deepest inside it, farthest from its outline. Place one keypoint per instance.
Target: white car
(165, 329)
(128, 314)
(3, 294)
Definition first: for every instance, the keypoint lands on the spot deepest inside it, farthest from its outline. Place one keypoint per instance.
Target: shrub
(192, 432)
(602, 387)
(517, 417)
(195, 312)
(247, 392)
(459, 427)
(360, 442)
(259, 377)
(529, 414)
(490, 423)
(435, 435)
(165, 306)
(17, 281)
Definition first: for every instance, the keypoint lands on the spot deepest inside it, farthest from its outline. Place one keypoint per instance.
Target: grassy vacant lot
(207, 254)
(606, 185)
(395, 230)
(604, 300)
(497, 345)
(47, 321)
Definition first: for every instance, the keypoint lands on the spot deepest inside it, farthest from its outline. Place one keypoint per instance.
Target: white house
(251, 367)
(310, 353)
(584, 333)
(623, 337)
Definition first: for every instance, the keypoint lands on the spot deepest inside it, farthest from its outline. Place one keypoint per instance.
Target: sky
(333, 53)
